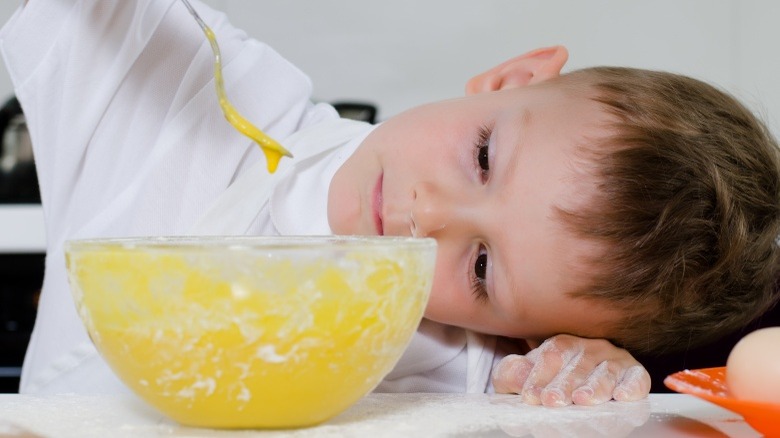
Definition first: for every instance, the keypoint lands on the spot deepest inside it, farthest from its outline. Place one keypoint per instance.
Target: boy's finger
(633, 385)
(510, 374)
(550, 361)
(598, 387)
(573, 375)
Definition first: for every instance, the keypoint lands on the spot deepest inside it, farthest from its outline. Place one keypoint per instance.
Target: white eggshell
(753, 367)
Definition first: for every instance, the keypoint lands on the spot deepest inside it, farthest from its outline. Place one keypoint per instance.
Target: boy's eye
(482, 152)
(482, 158)
(478, 284)
(480, 267)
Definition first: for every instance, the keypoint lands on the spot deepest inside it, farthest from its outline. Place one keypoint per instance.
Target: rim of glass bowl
(250, 242)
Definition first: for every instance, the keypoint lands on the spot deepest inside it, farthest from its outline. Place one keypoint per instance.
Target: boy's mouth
(376, 201)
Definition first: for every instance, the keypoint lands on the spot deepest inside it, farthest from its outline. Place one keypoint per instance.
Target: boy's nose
(433, 211)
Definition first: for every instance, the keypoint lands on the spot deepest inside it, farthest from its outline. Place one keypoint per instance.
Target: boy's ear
(531, 68)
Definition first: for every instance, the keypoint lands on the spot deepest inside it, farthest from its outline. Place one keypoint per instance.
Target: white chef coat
(129, 141)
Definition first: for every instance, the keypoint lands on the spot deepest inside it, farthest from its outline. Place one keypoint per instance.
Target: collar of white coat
(299, 201)
(239, 206)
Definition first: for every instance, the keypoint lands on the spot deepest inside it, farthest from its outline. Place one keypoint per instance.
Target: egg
(753, 367)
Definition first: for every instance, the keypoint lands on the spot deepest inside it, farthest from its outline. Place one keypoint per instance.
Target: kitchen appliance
(361, 111)
(21, 276)
(21, 262)
(18, 181)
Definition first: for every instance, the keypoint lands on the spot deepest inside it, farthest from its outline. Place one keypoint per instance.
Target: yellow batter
(231, 341)
(271, 148)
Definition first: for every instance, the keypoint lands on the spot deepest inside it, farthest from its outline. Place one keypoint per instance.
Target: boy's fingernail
(554, 397)
(583, 396)
(531, 395)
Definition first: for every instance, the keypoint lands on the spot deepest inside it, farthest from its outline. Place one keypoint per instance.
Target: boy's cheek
(443, 305)
(433, 308)
(342, 218)
(343, 206)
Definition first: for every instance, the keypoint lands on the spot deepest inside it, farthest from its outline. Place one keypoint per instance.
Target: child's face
(482, 174)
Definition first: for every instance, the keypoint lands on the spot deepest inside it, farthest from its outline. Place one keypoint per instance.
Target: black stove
(21, 272)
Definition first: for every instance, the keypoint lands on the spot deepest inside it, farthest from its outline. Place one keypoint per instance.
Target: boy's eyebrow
(510, 163)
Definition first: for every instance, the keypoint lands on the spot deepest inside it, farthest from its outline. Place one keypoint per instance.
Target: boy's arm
(128, 135)
(567, 369)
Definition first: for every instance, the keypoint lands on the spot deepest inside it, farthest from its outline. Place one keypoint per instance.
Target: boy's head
(687, 206)
(529, 193)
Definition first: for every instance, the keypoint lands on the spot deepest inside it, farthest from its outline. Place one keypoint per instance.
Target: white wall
(402, 53)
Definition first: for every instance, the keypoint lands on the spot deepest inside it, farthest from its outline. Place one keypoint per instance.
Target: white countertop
(387, 415)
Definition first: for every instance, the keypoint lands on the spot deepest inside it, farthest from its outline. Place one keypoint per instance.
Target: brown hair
(687, 208)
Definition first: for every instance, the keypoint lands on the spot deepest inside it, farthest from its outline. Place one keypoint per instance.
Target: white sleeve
(129, 138)
(119, 96)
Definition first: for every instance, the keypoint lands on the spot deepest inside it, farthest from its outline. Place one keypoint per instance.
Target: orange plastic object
(710, 384)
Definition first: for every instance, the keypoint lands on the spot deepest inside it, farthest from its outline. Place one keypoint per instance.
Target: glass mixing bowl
(251, 332)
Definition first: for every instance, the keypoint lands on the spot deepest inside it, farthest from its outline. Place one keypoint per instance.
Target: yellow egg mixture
(272, 150)
(222, 346)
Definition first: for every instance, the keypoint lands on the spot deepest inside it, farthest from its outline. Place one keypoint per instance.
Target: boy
(468, 171)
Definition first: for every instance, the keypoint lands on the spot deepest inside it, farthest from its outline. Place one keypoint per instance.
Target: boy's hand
(567, 369)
